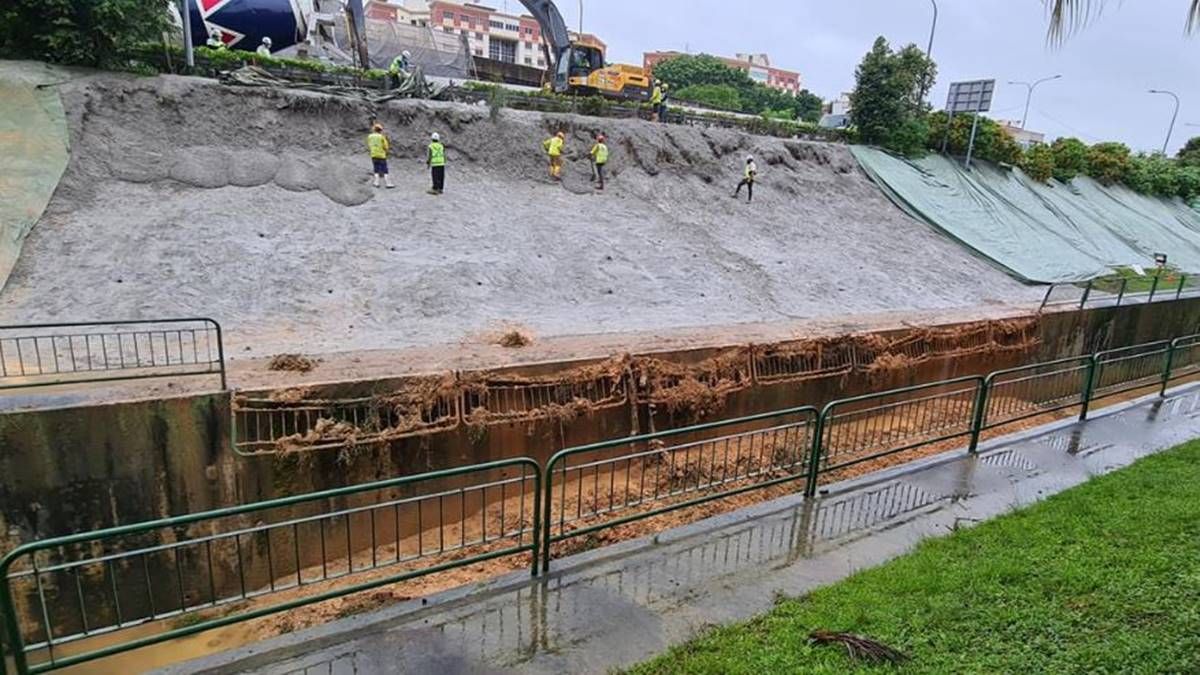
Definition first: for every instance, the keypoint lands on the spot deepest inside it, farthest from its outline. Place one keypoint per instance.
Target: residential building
(1024, 138)
(490, 33)
(757, 66)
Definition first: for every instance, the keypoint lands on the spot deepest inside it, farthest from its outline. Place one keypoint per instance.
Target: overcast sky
(1107, 69)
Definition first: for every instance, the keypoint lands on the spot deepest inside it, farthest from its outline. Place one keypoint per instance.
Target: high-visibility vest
(657, 97)
(600, 152)
(398, 64)
(437, 154)
(751, 169)
(378, 144)
(554, 146)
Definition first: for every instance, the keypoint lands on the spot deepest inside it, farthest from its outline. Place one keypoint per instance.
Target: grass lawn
(1104, 578)
(1168, 283)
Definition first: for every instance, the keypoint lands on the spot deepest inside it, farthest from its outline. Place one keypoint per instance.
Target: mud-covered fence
(604, 485)
(43, 355)
(290, 421)
(198, 572)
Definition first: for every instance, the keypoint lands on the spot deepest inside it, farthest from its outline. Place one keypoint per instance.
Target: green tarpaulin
(1041, 233)
(33, 152)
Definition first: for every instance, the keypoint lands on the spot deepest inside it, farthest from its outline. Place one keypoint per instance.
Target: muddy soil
(186, 197)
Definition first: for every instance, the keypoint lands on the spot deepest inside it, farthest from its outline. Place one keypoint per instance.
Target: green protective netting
(33, 152)
(1041, 233)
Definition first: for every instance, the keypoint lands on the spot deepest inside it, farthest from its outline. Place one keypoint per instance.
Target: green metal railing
(206, 570)
(603, 485)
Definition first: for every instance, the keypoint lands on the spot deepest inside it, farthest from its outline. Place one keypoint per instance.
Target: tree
(719, 96)
(97, 33)
(687, 72)
(1069, 15)
(1109, 163)
(1070, 158)
(1038, 163)
(1190, 154)
(886, 105)
(1152, 175)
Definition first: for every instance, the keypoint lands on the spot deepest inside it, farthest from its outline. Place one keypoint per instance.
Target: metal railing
(1160, 291)
(212, 569)
(43, 355)
(58, 593)
(603, 485)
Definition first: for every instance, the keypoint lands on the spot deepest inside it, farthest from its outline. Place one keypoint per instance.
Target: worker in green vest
(599, 154)
(554, 149)
(656, 99)
(436, 161)
(215, 41)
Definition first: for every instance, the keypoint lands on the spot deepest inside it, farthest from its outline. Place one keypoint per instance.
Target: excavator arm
(556, 38)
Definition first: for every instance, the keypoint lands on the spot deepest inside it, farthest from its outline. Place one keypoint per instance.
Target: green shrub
(1038, 163)
(1070, 158)
(1109, 163)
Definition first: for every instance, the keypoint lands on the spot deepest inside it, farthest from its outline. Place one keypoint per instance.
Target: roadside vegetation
(1103, 578)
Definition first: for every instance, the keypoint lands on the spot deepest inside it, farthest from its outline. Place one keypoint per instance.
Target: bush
(991, 142)
(910, 139)
(1108, 163)
(1153, 175)
(1189, 183)
(1038, 163)
(97, 33)
(1070, 158)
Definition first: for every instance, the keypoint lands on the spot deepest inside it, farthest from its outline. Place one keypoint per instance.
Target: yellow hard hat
(562, 134)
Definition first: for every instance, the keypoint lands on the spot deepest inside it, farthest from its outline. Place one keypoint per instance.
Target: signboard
(1160, 259)
(970, 97)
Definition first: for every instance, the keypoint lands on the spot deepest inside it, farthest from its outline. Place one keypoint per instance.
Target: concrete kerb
(356, 628)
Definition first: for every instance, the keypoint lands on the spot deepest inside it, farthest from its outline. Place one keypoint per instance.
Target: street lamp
(1174, 116)
(1029, 95)
(929, 52)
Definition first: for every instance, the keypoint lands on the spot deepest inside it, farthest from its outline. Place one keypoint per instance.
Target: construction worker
(265, 48)
(436, 161)
(215, 41)
(748, 180)
(399, 67)
(662, 105)
(378, 144)
(599, 155)
(656, 99)
(554, 148)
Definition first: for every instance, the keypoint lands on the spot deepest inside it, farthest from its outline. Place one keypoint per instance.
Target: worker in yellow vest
(378, 144)
(656, 99)
(751, 173)
(554, 148)
(599, 155)
(436, 161)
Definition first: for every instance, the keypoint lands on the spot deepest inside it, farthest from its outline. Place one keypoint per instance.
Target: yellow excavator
(578, 67)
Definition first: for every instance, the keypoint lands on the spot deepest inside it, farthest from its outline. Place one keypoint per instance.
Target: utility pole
(1174, 117)
(580, 19)
(1029, 94)
(186, 11)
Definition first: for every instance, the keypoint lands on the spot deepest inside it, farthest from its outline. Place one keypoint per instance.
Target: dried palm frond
(859, 648)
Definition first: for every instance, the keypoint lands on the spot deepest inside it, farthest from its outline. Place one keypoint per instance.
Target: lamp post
(1174, 116)
(580, 19)
(929, 51)
(188, 53)
(1029, 95)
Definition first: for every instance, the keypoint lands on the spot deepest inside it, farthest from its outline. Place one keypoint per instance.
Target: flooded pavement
(619, 605)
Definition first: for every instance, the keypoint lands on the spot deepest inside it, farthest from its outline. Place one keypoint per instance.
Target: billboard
(974, 96)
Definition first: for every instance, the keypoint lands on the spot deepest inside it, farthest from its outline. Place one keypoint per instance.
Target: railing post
(1182, 281)
(980, 416)
(814, 459)
(1046, 299)
(1087, 292)
(1166, 381)
(1121, 295)
(1154, 288)
(221, 353)
(1089, 385)
(535, 555)
(8, 617)
(548, 486)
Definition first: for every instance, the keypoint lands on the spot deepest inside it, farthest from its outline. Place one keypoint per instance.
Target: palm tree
(1066, 16)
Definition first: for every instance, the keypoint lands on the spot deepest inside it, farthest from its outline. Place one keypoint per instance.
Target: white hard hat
(749, 158)
(267, 41)
(407, 54)
(435, 136)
